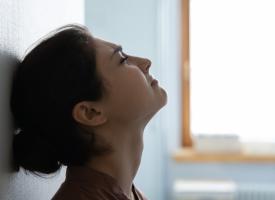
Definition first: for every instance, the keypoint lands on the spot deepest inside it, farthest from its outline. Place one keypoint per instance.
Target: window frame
(185, 75)
(187, 153)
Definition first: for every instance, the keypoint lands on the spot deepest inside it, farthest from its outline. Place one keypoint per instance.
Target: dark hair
(55, 75)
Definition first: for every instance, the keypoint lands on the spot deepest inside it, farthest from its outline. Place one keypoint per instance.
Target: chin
(164, 98)
(161, 105)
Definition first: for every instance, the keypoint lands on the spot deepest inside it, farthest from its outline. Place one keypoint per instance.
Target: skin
(119, 119)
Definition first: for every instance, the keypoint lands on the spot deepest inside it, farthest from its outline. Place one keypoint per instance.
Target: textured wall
(22, 22)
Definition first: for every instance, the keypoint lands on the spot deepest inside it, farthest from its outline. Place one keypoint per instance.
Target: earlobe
(86, 114)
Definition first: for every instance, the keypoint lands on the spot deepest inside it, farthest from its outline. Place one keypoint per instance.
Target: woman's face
(130, 95)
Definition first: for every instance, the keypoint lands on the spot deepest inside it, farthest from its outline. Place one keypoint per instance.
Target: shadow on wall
(8, 62)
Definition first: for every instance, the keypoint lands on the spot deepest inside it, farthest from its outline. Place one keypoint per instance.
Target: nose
(145, 64)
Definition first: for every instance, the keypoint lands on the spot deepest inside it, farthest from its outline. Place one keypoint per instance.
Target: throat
(122, 164)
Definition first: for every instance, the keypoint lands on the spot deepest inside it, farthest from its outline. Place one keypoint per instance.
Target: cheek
(131, 94)
(130, 81)
(135, 86)
(132, 91)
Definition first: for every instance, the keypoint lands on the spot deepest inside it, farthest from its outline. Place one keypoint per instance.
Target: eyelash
(123, 59)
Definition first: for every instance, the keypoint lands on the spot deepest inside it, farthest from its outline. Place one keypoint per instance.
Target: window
(229, 86)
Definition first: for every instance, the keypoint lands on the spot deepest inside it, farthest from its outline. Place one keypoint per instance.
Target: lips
(152, 81)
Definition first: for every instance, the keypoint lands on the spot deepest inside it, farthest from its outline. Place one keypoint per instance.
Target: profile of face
(131, 96)
(96, 101)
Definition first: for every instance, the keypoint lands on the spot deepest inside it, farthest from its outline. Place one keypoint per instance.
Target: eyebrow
(117, 49)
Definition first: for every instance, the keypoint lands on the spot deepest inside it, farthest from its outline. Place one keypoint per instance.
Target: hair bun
(34, 153)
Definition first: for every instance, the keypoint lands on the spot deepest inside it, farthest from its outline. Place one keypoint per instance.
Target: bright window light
(232, 68)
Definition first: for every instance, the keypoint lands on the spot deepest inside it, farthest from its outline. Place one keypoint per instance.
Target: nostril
(144, 65)
(148, 65)
(147, 69)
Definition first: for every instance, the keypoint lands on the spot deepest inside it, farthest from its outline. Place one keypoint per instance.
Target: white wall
(22, 22)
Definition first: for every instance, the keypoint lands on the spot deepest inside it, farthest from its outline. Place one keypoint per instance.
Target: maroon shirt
(84, 183)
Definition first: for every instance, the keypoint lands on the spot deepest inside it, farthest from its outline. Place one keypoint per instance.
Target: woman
(82, 102)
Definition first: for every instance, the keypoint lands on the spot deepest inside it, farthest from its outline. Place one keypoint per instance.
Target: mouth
(154, 82)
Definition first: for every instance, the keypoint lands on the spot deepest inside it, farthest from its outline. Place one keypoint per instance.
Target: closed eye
(123, 59)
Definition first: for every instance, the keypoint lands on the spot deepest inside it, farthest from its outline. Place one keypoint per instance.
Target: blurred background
(215, 138)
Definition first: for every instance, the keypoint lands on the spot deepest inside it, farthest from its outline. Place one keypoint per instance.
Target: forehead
(105, 46)
(104, 51)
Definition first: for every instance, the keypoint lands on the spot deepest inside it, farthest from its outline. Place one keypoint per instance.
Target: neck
(123, 163)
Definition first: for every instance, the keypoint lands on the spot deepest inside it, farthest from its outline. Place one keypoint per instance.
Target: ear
(88, 113)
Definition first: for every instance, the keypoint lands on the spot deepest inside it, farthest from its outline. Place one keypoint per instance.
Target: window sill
(190, 155)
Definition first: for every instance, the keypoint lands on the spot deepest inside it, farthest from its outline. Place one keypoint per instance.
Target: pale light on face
(130, 94)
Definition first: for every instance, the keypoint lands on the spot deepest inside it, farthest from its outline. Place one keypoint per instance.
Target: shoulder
(71, 191)
(140, 194)
(68, 192)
